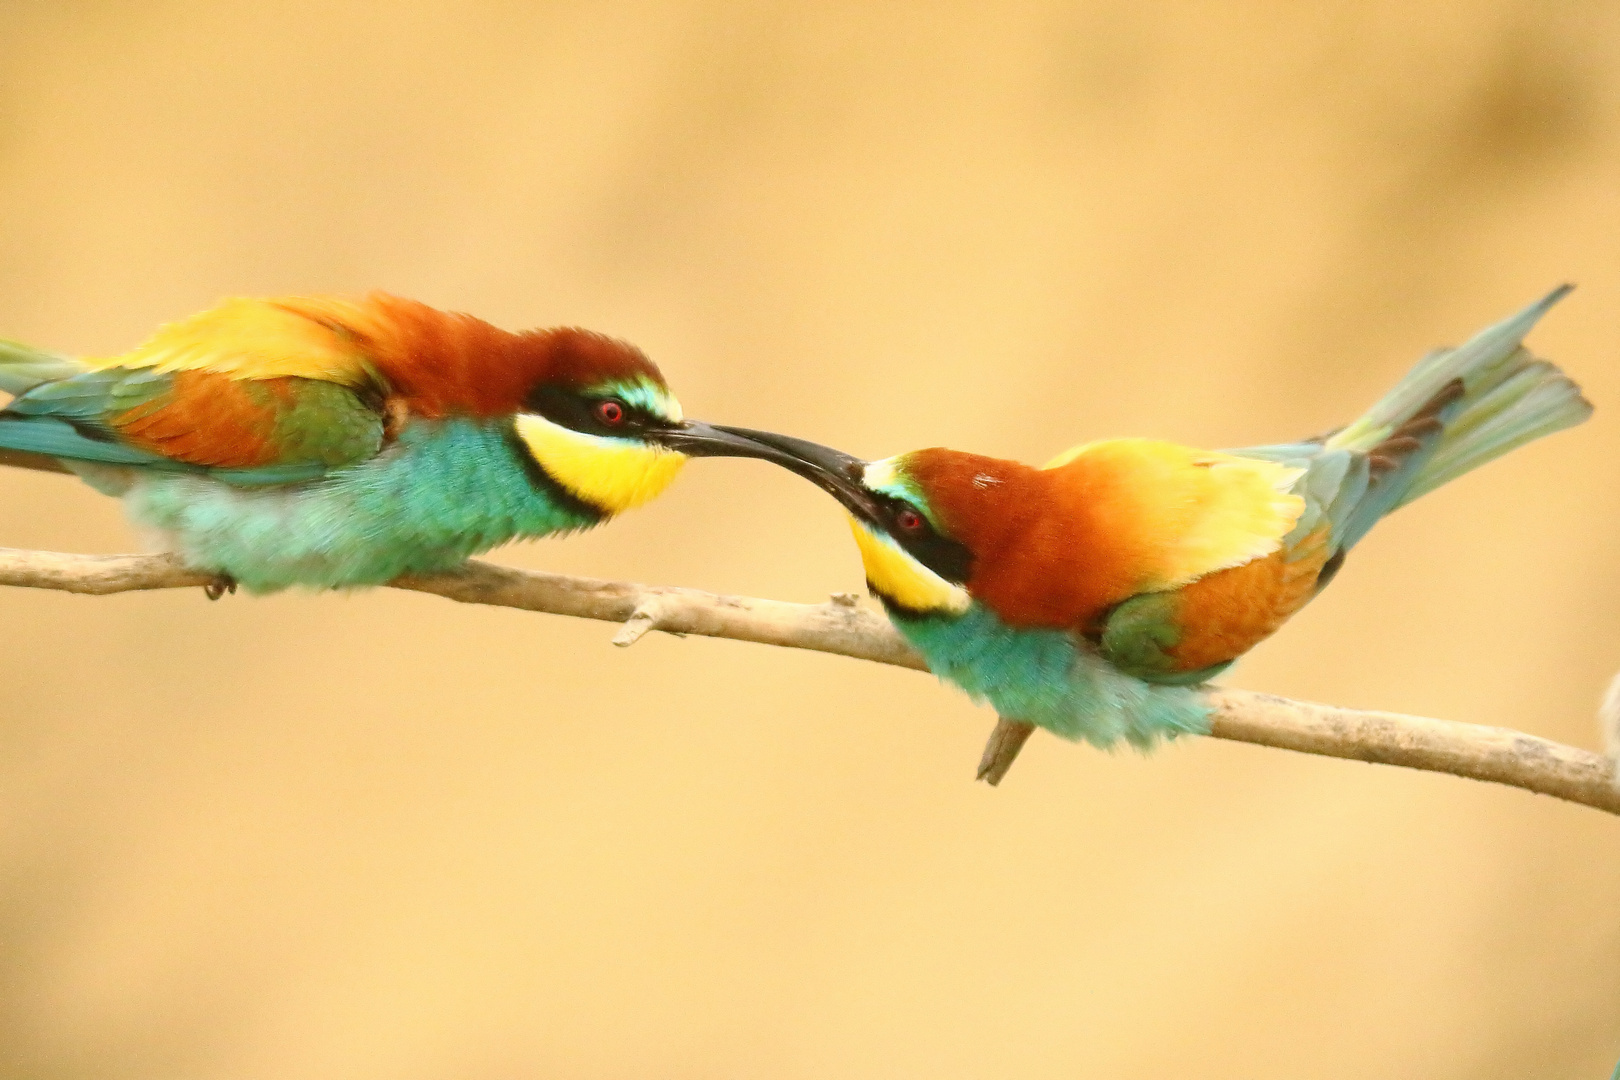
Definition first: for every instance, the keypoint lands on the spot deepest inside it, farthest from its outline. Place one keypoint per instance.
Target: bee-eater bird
(329, 442)
(1093, 595)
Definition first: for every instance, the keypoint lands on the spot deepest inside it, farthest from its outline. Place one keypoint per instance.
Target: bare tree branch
(1609, 719)
(1500, 755)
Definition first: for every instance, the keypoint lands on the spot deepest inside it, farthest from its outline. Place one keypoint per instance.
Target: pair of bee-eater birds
(331, 443)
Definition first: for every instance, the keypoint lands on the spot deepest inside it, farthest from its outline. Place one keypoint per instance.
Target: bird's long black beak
(835, 472)
(694, 438)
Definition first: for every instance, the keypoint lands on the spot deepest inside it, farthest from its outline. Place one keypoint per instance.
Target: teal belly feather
(446, 490)
(1051, 679)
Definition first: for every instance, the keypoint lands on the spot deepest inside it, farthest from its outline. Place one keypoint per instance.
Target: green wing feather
(1139, 635)
(251, 392)
(243, 431)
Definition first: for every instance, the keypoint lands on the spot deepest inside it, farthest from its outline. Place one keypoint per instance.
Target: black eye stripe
(580, 412)
(944, 556)
(894, 509)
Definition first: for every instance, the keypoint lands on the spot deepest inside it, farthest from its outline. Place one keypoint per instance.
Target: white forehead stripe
(880, 475)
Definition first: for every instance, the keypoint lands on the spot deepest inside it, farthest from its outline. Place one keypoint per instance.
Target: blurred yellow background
(385, 836)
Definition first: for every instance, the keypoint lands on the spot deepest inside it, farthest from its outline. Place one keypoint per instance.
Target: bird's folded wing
(1208, 545)
(1164, 515)
(252, 392)
(248, 431)
(1190, 634)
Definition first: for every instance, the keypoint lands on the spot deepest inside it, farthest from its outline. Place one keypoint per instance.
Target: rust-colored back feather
(444, 363)
(440, 363)
(1041, 557)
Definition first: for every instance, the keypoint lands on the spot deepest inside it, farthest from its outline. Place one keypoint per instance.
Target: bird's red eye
(908, 520)
(610, 412)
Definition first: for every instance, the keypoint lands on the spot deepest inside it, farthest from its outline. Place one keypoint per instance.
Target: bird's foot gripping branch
(839, 626)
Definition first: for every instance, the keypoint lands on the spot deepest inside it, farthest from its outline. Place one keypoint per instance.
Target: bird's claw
(222, 584)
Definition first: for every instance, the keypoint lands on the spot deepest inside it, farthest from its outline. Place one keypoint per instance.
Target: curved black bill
(835, 472)
(697, 439)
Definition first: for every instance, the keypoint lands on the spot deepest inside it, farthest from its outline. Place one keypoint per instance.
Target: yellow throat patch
(613, 475)
(895, 575)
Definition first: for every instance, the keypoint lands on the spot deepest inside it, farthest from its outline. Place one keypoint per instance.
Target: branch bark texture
(1499, 755)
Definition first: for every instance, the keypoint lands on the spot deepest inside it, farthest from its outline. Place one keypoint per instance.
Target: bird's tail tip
(1509, 397)
(23, 367)
(1483, 362)
(1520, 323)
(1556, 295)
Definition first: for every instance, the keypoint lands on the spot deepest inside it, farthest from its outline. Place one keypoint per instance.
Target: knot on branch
(647, 617)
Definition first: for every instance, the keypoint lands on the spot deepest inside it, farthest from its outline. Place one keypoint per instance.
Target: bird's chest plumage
(444, 491)
(1052, 679)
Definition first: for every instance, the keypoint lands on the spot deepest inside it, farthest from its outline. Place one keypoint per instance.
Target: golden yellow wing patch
(1179, 513)
(303, 337)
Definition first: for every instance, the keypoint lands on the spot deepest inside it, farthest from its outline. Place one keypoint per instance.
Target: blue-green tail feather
(1488, 396)
(1456, 410)
(22, 368)
(66, 415)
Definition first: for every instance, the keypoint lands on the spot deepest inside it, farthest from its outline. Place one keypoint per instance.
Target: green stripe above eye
(644, 395)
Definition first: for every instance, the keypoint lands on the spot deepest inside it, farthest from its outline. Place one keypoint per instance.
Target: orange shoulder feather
(1225, 614)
